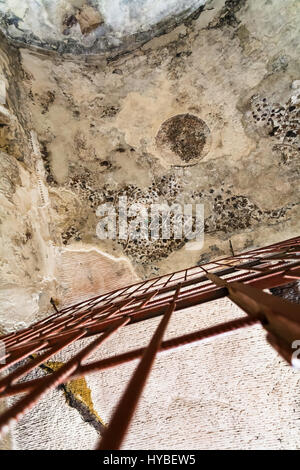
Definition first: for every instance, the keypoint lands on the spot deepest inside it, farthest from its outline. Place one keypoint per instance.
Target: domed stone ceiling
(207, 112)
(184, 139)
(91, 26)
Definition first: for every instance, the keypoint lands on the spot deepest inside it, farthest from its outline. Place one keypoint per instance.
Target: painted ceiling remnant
(91, 26)
(184, 138)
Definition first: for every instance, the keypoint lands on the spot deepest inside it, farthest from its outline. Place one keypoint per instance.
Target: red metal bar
(23, 370)
(116, 431)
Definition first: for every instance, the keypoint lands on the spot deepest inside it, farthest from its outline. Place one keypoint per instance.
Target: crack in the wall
(78, 396)
(228, 16)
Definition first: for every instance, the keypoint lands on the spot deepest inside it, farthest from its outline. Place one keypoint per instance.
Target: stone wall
(78, 131)
(92, 26)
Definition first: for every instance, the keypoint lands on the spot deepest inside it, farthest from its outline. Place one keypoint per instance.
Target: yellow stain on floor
(78, 388)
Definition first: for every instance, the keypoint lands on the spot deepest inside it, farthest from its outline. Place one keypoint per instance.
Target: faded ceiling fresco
(91, 26)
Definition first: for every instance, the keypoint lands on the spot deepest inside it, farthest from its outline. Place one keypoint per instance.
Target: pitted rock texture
(10, 177)
(233, 392)
(91, 27)
(281, 122)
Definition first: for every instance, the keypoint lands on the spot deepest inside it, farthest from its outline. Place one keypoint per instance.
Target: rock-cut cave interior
(184, 101)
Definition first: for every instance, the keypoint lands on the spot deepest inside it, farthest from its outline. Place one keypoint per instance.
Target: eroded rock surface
(206, 113)
(90, 27)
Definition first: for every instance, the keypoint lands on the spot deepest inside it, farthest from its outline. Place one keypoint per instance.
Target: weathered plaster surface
(220, 72)
(96, 123)
(232, 392)
(81, 26)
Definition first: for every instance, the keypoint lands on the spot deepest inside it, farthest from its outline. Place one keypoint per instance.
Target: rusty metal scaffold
(242, 278)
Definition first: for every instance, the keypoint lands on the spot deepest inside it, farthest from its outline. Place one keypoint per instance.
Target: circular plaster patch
(184, 140)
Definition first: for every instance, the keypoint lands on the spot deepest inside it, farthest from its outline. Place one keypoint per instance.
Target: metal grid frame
(242, 278)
